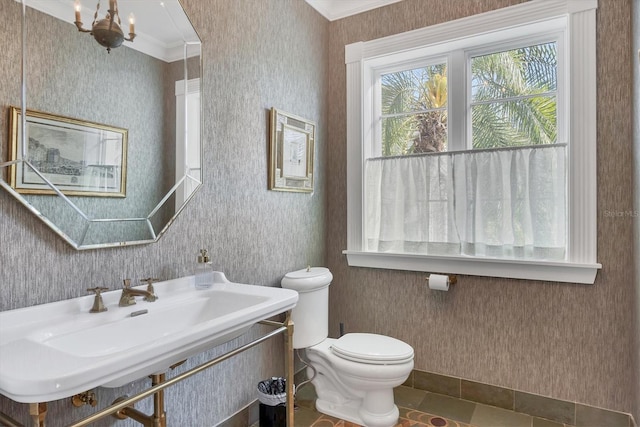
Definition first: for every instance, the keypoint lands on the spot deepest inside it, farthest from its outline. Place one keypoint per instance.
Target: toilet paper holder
(453, 279)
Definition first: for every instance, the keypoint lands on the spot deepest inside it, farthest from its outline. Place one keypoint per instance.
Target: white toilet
(355, 374)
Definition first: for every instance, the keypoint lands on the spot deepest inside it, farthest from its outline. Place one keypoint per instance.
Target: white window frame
(523, 20)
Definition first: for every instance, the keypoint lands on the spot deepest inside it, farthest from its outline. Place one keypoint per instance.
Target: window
(463, 154)
(188, 147)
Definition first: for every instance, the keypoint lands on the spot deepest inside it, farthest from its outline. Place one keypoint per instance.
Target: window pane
(414, 110)
(419, 89)
(513, 73)
(414, 134)
(514, 97)
(529, 121)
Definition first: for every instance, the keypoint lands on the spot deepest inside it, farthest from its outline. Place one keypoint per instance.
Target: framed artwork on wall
(79, 158)
(291, 152)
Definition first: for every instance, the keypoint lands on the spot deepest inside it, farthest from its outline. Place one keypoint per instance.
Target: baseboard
(562, 411)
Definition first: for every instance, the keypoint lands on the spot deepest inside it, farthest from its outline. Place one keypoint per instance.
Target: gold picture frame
(291, 152)
(79, 158)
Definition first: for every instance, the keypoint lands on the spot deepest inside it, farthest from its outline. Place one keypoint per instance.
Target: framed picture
(291, 149)
(80, 158)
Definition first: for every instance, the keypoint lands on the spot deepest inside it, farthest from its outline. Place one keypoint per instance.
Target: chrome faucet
(128, 295)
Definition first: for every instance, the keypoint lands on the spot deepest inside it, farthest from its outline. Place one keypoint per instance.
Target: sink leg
(159, 415)
(289, 367)
(38, 412)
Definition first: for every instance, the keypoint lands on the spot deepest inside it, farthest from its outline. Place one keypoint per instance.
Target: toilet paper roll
(439, 282)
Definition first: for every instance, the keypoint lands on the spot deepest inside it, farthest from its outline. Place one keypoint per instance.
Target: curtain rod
(482, 150)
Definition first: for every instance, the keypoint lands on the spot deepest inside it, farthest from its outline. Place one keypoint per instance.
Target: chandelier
(107, 31)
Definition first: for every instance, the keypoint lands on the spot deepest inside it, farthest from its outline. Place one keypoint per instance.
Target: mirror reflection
(111, 146)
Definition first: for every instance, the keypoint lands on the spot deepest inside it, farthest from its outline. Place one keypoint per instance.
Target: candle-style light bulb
(78, 7)
(132, 22)
(112, 5)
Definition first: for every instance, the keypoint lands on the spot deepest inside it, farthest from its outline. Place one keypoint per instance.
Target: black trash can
(272, 394)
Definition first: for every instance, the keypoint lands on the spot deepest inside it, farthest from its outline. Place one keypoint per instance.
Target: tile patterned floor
(407, 419)
(423, 409)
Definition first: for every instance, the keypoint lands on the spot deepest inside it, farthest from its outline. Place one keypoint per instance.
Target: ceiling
(337, 9)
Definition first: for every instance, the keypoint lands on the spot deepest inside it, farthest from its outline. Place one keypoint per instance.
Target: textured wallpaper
(256, 55)
(567, 341)
(636, 144)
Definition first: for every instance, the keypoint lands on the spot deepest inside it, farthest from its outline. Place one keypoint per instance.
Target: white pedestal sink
(56, 350)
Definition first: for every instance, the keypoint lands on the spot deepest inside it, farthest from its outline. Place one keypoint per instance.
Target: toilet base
(350, 411)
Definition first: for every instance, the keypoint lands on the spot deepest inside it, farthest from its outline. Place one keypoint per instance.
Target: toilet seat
(372, 349)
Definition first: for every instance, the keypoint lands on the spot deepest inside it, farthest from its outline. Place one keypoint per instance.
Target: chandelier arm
(81, 28)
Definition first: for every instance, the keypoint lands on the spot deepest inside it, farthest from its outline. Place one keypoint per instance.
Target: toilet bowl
(353, 375)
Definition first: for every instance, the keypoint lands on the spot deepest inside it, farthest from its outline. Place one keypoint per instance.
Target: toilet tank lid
(307, 279)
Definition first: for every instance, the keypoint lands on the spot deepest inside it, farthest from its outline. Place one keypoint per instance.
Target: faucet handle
(126, 283)
(98, 304)
(150, 281)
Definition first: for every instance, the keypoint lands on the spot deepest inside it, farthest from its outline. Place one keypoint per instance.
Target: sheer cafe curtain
(501, 203)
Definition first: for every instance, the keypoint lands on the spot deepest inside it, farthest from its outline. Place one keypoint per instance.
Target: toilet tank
(311, 314)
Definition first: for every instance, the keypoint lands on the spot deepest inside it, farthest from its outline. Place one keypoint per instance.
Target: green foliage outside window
(513, 103)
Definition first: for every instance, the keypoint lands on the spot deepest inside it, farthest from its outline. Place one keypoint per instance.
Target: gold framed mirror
(291, 152)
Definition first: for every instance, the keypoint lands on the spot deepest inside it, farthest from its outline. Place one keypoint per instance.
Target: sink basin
(56, 350)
